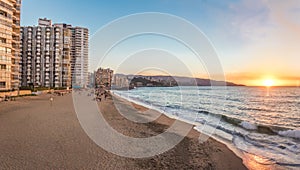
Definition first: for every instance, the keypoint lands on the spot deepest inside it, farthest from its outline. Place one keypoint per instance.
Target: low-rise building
(103, 77)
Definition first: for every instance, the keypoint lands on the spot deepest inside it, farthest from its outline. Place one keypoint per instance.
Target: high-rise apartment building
(79, 53)
(9, 43)
(45, 52)
(48, 57)
(66, 60)
(91, 79)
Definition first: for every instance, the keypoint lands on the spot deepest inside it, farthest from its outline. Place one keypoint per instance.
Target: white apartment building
(80, 53)
(50, 54)
(45, 53)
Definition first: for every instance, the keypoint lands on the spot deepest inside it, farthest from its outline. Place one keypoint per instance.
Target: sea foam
(290, 133)
(248, 125)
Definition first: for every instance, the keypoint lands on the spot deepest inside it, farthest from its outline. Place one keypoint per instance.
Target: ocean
(257, 123)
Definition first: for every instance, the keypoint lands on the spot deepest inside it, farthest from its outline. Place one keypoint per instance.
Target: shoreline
(258, 143)
(143, 107)
(193, 135)
(249, 160)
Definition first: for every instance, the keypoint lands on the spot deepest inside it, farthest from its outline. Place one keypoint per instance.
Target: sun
(268, 82)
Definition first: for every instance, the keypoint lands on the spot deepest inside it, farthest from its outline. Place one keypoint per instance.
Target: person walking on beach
(105, 96)
(51, 101)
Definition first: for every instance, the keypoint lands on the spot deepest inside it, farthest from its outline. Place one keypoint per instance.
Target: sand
(36, 135)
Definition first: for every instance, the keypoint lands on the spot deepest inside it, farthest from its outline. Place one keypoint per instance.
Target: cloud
(258, 20)
(249, 19)
(286, 14)
(270, 34)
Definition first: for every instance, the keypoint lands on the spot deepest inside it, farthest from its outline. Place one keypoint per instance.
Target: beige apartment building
(9, 44)
(103, 78)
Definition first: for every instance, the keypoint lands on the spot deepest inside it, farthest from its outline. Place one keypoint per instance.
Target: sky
(255, 39)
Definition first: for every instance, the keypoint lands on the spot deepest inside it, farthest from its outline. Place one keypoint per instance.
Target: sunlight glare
(268, 82)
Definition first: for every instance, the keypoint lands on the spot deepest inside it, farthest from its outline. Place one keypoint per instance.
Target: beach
(37, 135)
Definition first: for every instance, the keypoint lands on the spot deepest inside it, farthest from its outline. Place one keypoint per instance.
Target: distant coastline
(133, 81)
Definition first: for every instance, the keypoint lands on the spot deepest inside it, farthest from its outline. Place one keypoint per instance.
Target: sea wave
(248, 125)
(258, 128)
(290, 133)
(278, 142)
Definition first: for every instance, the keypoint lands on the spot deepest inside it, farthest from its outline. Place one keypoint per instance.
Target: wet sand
(36, 135)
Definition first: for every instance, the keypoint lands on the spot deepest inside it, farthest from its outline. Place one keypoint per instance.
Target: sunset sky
(255, 39)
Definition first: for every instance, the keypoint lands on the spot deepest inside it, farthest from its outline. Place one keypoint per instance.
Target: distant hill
(166, 81)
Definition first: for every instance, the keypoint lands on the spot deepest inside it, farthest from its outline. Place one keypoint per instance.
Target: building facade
(80, 53)
(66, 57)
(48, 57)
(103, 78)
(45, 53)
(9, 44)
(120, 81)
(91, 79)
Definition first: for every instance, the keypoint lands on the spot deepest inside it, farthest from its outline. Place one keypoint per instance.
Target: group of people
(101, 92)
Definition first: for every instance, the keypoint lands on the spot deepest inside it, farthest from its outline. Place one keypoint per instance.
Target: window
(2, 67)
(2, 40)
(3, 13)
(2, 84)
(5, 50)
(3, 59)
(15, 77)
(8, 50)
(2, 49)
